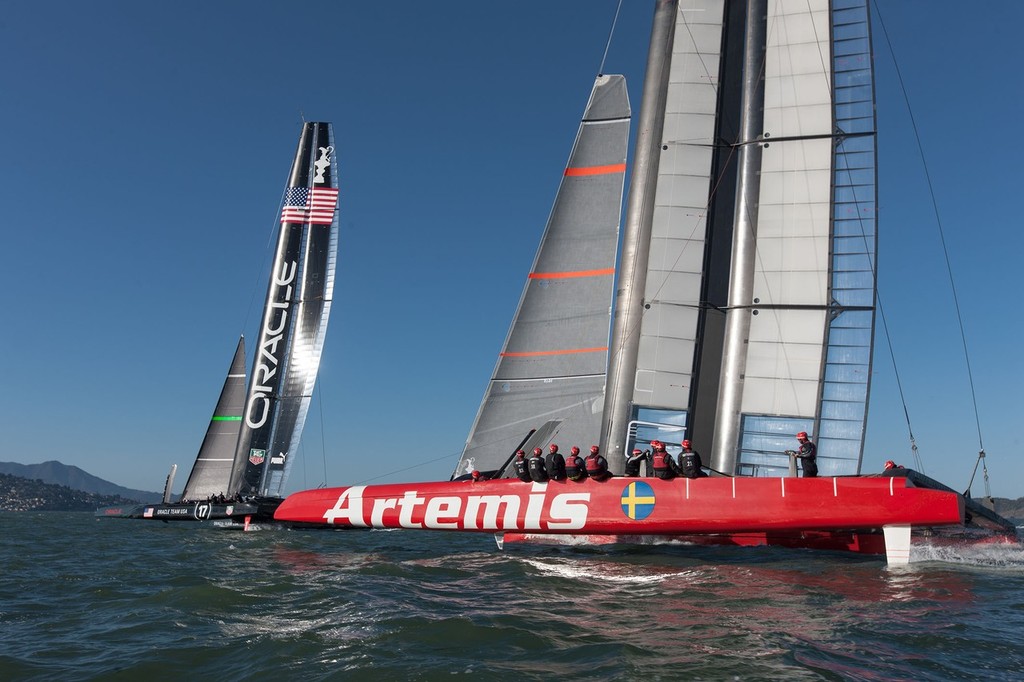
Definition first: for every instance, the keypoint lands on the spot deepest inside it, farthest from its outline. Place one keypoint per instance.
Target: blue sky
(144, 149)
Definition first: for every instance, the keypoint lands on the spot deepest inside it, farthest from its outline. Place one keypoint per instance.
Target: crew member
(689, 462)
(535, 465)
(522, 471)
(807, 452)
(633, 462)
(662, 462)
(597, 465)
(555, 463)
(575, 467)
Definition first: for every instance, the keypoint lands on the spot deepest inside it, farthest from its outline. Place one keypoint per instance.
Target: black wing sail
(294, 323)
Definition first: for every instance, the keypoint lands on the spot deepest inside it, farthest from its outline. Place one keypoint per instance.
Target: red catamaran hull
(841, 513)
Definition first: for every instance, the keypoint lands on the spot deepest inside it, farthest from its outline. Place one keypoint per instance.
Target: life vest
(575, 469)
(538, 472)
(663, 464)
(597, 466)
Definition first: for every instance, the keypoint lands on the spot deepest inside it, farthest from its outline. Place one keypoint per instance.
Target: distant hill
(55, 473)
(1012, 510)
(24, 494)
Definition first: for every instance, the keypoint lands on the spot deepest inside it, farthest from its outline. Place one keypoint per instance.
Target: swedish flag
(637, 500)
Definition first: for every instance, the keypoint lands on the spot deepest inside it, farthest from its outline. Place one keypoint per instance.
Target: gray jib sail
(803, 213)
(294, 323)
(553, 363)
(211, 473)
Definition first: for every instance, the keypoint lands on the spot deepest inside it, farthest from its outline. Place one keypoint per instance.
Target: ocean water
(111, 599)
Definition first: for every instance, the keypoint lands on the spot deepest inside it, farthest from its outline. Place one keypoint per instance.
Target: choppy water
(85, 598)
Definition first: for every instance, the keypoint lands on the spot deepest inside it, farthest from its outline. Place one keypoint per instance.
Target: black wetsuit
(538, 472)
(555, 464)
(633, 464)
(690, 464)
(522, 472)
(808, 453)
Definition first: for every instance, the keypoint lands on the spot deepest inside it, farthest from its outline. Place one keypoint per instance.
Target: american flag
(314, 205)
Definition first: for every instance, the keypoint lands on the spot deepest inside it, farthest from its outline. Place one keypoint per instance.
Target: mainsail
(552, 365)
(294, 322)
(211, 473)
(757, 305)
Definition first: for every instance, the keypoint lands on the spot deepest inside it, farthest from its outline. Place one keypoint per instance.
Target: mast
(629, 301)
(741, 285)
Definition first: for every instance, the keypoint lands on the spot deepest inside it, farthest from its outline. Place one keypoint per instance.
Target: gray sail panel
(211, 473)
(553, 362)
(287, 356)
(669, 330)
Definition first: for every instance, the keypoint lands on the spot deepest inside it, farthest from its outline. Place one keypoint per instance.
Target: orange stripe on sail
(596, 170)
(576, 273)
(569, 351)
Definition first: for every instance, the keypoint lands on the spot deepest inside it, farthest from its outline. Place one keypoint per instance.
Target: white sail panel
(784, 360)
(798, 67)
(785, 353)
(668, 336)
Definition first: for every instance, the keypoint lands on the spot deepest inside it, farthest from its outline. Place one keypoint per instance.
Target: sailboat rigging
(241, 469)
(743, 313)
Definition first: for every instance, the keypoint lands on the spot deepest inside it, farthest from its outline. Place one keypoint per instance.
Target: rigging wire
(945, 249)
(611, 33)
(323, 439)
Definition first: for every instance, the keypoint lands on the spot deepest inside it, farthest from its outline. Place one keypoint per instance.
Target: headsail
(294, 323)
(804, 204)
(552, 365)
(211, 473)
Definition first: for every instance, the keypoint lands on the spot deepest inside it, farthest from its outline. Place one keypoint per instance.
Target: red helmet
(537, 451)
(686, 443)
(889, 464)
(553, 448)
(655, 443)
(476, 474)
(802, 434)
(574, 450)
(637, 451)
(520, 454)
(594, 449)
